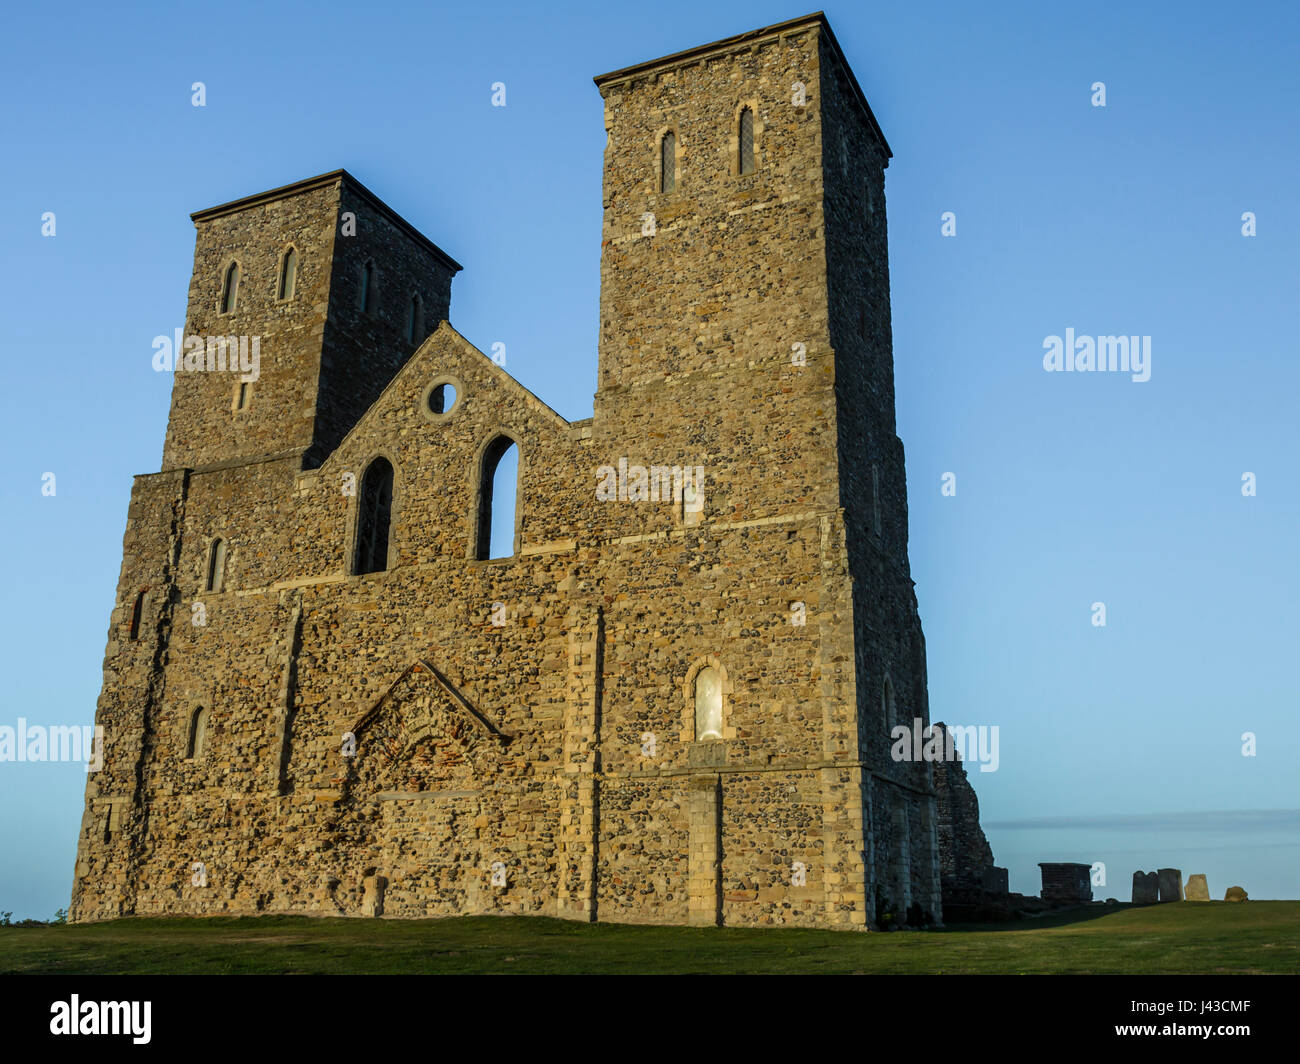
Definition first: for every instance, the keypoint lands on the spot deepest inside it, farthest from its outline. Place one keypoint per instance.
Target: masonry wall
(964, 852)
(518, 735)
(294, 653)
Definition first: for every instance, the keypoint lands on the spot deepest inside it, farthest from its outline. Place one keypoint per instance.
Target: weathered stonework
(451, 735)
(1146, 888)
(1066, 881)
(972, 886)
(1171, 884)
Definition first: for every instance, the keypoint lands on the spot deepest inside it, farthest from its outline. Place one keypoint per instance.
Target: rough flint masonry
(102, 1017)
(657, 484)
(1087, 354)
(36, 742)
(236, 354)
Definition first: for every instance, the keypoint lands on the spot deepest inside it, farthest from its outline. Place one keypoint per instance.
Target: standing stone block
(1146, 888)
(1066, 881)
(372, 902)
(1236, 894)
(1197, 889)
(1171, 884)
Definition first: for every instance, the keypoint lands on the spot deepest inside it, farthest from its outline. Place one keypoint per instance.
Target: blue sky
(1071, 488)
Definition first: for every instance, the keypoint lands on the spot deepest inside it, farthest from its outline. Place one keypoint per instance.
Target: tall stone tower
(327, 345)
(745, 316)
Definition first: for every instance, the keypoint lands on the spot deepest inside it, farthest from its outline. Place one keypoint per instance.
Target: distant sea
(1258, 850)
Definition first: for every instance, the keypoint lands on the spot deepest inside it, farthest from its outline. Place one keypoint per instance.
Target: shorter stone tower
(338, 289)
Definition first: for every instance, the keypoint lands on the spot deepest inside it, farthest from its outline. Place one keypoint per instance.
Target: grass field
(1183, 938)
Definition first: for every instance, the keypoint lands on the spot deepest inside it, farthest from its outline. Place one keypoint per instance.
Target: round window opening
(442, 397)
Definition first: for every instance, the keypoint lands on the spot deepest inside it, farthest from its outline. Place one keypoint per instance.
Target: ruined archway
(419, 803)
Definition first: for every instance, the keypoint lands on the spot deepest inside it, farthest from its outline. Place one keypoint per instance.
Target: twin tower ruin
(323, 695)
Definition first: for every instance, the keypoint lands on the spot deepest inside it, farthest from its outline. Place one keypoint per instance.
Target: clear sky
(1071, 488)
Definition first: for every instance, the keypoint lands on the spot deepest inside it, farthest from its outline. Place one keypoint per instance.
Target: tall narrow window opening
(198, 733)
(875, 499)
(288, 274)
(230, 288)
(746, 141)
(217, 566)
(414, 319)
(497, 502)
(366, 293)
(668, 162)
(374, 516)
(136, 612)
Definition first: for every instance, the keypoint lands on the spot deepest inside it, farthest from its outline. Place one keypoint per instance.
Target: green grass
(1188, 938)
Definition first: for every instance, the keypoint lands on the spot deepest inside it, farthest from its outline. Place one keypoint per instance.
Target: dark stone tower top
(327, 291)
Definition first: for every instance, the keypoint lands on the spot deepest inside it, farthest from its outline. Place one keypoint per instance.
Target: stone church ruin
(322, 694)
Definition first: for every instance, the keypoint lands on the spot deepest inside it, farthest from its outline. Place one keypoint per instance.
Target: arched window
(136, 612)
(198, 732)
(708, 704)
(288, 273)
(230, 288)
(497, 490)
(374, 515)
(887, 709)
(216, 566)
(414, 318)
(668, 162)
(366, 293)
(746, 147)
